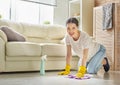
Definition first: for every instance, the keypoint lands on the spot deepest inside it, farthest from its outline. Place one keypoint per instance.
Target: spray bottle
(42, 64)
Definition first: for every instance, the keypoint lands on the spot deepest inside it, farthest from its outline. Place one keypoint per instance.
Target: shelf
(78, 18)
(74, 8)
(75, 1)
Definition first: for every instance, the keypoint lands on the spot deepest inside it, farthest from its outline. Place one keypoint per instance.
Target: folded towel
(107, 16)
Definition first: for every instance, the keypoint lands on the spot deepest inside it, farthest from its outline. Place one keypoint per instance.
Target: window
(5, 9)
(46, 14)
(28, 12)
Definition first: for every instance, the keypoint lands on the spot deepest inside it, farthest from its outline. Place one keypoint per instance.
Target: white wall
(61, 12)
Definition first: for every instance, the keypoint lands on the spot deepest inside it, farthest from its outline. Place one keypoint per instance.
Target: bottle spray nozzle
(44, 57)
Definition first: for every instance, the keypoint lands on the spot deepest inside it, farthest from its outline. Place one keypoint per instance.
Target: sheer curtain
(22, 11)
(28, 12)
(5, 9)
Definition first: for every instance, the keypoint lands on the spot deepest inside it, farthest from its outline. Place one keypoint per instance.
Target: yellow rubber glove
(81, 71)
(66, 72)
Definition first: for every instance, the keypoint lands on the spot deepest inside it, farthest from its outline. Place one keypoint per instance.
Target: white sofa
(40, 40)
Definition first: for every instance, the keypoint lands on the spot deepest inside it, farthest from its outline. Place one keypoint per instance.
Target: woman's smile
(71, 34)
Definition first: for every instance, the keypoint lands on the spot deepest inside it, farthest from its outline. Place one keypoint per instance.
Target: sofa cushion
(34, 31)
(40, 40)
(56, 32)
(23, 58)
(53, 49)
(11, 34)
(23, 49)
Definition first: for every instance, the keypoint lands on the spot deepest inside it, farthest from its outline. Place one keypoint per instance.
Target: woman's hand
(68, 59)
(81, 72)
(66, 72)
(82, 69)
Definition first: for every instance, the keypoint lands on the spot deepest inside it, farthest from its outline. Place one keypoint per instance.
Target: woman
(92, 54)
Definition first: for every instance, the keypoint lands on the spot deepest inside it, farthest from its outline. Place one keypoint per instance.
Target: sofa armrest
(3, 36)
(3, 40)
(2, 54)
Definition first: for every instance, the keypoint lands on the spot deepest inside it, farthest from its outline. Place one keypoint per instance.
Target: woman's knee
(103, 48)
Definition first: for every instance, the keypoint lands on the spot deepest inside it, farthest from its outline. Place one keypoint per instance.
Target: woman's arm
(82, 69)
(69, 55)
(85, 55)
(68, 59)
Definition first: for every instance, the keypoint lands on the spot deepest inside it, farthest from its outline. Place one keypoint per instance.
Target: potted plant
(46, 22)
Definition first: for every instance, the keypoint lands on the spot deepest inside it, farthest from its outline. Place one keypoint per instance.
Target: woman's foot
(106, 66)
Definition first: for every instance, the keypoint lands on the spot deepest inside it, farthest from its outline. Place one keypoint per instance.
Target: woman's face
(72, 29)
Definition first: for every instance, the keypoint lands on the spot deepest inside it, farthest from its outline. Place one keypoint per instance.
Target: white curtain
(46, 2)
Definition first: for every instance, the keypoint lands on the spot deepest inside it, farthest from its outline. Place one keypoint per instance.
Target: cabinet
(83, 11)
(109, 38)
